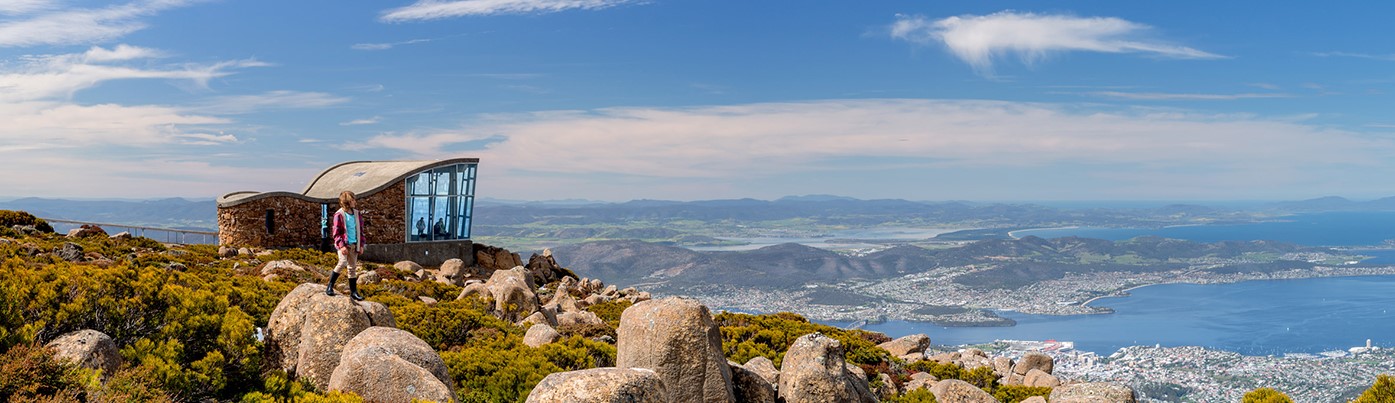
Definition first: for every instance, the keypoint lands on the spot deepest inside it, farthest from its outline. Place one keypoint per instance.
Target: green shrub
(748, 336)
(610, 311)
(1018, 393)
(446, 324)
(10, 218)
(28, 372)
(1383, 391)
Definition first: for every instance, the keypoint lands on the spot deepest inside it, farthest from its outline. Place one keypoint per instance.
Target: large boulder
(750, 387)
(545, 268)
(1036, 377)
(676, 338)
(540, 334)
(765, 368)
(913, 344)
(1002, 366)
(920, 380)
(86, 230)
(579, 318)
(492, 258)
(384, 364)
(601, 385)
(513, 293)
(1034, 399)
(69, 251)
(89, 349)
(453, 270)
(1092, 393)
(308, 330)
(957, 391)
(1034, 360)
(814, 370)
(407, 266)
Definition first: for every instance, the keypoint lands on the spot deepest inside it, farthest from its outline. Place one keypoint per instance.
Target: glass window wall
(440, 202)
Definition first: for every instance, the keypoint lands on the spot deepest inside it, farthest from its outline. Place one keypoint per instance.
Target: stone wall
(297, 221)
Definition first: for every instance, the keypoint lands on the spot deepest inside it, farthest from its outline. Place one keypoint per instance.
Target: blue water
(1252, 318)
(1317, 229)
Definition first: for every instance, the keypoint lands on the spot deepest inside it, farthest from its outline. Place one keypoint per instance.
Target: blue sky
(616, 100)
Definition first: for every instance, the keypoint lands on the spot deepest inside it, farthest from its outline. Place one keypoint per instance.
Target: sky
(704, 99)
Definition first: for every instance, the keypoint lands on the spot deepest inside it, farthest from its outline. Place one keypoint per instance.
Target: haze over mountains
(500, 216)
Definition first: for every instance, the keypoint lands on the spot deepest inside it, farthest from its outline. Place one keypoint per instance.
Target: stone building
(411, 210)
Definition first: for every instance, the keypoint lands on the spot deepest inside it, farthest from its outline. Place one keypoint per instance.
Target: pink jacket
(341, 236)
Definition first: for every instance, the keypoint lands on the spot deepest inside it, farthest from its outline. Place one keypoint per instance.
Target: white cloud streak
(978, 40)
(425, 10)
(359, 122)
(59, 76)
(750, 142)
(272, 100)
(19, 7)
(386, 45)
(1370, 56)
(76, 26)
(1173, 96)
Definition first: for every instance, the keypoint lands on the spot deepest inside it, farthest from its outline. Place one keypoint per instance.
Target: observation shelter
(411, 210)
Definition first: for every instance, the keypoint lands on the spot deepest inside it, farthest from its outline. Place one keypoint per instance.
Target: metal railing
(170, 235)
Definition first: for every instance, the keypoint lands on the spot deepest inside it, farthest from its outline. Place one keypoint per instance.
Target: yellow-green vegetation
(1265, 395)
(748, 336)
(11, 218)
(914, 396)
(1383, 391)
(1018, 393)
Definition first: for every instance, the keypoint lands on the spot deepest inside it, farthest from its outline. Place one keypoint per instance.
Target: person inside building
(347, 231)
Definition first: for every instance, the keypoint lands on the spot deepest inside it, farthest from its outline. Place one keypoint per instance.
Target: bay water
(1252, 318)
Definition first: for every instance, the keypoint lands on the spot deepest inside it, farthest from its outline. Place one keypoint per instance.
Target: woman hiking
(347, 231)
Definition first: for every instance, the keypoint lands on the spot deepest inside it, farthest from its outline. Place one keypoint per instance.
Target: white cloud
(63, 125)
(424, 10)
(77, 26)
(59, 76)
(386, 45)
(1371, 56)
(755, 142)
(978, 40)
(358, 122)
(17, 7)
(241, 104)
(1174, 96)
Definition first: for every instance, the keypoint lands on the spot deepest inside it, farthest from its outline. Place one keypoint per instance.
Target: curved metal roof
(361, 177)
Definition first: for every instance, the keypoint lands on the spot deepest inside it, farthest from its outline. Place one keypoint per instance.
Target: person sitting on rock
(347, 232)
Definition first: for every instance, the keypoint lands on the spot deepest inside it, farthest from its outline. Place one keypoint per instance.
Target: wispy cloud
(1174, 96)
(272, 100)
(359, 122)
(1371, 56)
(77, 25)
(978, 40)
(425, 10)
(59, 76)
(387, 45)
(754, 142)
(17, 7)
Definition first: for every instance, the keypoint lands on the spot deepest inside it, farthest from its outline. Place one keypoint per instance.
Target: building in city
(412, 210)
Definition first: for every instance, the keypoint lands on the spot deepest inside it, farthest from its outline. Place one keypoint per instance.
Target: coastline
(1013, 233)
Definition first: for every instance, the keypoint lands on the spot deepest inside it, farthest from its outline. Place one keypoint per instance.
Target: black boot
(329, 289)
(353, 289)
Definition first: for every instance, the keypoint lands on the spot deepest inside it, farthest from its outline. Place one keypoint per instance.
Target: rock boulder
(765, 368)
(676, 338)
(750, 387)
(513, 294)
(1034, 360)
(601, 385)
(384, 364)
(814, 370)
(308, 330)
(913, 344)
(540, 334)
(89, 349)
(1035, 377)
(957, 391)
(1092, 393)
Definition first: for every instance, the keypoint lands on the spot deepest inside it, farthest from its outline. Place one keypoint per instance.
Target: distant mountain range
(786, 266)
(502, 216)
